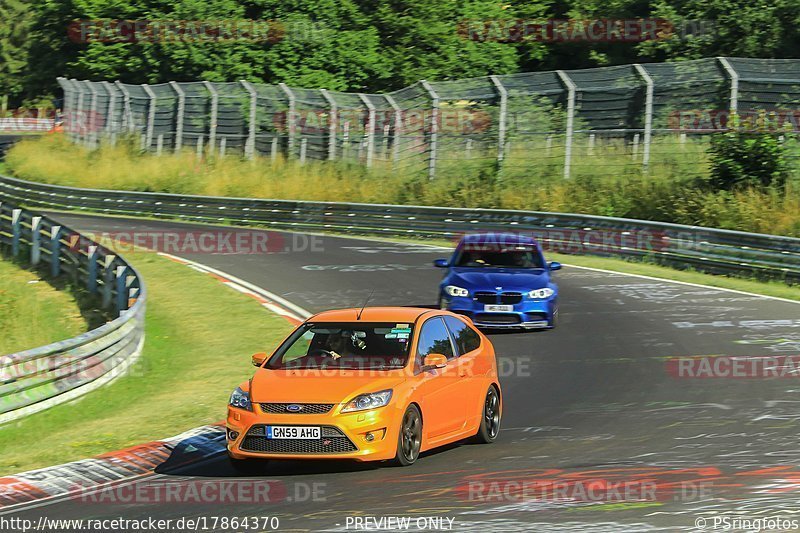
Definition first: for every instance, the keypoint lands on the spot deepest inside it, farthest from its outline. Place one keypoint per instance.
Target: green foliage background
(362, 45)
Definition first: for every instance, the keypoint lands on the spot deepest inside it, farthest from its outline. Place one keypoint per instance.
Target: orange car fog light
(377, 434)
(232, 435)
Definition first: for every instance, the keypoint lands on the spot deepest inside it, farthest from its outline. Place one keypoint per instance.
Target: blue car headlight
(453, 290)
(541, 294)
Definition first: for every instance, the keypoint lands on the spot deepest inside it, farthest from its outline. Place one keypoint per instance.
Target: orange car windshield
(354, 345)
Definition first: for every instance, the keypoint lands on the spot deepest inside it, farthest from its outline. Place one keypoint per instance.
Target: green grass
(200, 336)
(34, 313)
(606, 180)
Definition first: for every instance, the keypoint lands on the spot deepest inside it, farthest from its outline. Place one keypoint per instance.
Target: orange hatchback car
(380, 383)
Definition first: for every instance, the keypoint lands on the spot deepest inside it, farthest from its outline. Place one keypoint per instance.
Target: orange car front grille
(332, 441)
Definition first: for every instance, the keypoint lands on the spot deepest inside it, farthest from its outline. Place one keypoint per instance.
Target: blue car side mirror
(441, 263)
(555, 265)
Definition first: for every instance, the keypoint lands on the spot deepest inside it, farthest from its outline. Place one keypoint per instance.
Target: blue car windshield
(499, 257)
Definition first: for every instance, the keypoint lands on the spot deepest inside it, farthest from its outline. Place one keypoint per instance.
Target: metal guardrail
(36, 379)
(706, 249)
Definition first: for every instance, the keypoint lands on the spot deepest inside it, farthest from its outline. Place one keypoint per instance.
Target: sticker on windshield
(401, 330)
(391, 335)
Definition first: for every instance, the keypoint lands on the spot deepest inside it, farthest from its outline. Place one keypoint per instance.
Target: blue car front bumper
(527, 314)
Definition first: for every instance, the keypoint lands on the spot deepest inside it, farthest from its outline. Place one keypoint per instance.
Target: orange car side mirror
(434, 360)
(258, 358)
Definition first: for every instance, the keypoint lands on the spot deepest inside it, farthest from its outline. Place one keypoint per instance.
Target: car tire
(409, 439)
(248, 467)
(490, 417)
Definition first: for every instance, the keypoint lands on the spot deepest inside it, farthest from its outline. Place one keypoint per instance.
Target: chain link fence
(611, 120)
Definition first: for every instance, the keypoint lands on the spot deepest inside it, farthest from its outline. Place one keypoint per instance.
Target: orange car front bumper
(364, 436)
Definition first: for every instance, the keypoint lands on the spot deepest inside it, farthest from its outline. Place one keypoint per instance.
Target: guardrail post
(121, 281)
(733, 77)
(108, 280)
(127, 121)
(648, 114)
(434, 133)
(36, 240)
(151, 115)
(55, 251)
(398, 128)
(91, 279)
(179, 115)
(501, 124)
(291, 119)
(370, 129)
(16, 231)
(570, 121)
(333, 123)
(212, 125)
(250, 144)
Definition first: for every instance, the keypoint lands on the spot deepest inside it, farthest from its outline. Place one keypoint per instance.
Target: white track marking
(686, 283)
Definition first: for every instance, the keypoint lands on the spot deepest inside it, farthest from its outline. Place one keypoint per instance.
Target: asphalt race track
(597, 399)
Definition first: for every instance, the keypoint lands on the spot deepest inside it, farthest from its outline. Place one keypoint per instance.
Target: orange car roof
(372, 314)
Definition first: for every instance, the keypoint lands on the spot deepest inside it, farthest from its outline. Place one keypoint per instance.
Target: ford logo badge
(294, 408)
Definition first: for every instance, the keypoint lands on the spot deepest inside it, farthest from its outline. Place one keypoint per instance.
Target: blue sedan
(500, 280)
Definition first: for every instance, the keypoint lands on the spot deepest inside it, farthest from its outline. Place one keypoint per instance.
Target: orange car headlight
(373, 400)
(240, 399)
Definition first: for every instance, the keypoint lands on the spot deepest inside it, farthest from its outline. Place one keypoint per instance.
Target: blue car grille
(505, 298)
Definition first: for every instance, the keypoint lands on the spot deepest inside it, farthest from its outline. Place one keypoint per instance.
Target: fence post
(733, 77)
(55, 251)
(91, 123)
(111, 122)
(16, 230)
(69, 104)
(91, 279)
(126, 99)
(501, 124)
(303, 147)
(250, 144)
(333, 122)
(398, 128)
(179, 116)
(151, 115)
(291, 119)
(212, 126)
(434, 138)
(36, 240)
(648, 114)
(570, 121)
(80, 115)
(370, 130)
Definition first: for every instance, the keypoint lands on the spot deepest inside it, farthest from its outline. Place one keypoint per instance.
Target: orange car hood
(303, 386)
